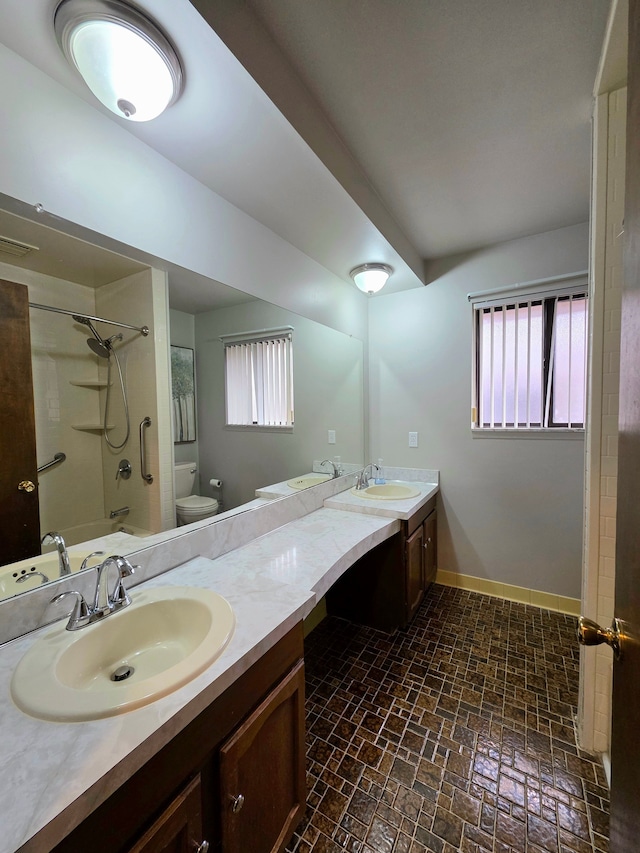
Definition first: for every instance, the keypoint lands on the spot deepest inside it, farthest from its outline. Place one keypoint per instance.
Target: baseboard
(510, 592)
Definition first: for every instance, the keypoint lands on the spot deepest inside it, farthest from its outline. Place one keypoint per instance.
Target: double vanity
(201, 745)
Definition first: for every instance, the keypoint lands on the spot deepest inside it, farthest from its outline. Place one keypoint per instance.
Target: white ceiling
(471, 118)
(467, 122)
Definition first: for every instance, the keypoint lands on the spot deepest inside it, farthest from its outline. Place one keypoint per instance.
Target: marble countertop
(55, 774)
(278, 490)
(401, 509)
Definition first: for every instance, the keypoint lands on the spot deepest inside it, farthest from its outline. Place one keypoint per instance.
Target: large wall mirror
(79, 366)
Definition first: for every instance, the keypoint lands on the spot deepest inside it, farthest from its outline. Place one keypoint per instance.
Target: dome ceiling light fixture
(370, 278)
(123, 56)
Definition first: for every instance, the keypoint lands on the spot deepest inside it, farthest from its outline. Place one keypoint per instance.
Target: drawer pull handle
(237, 803)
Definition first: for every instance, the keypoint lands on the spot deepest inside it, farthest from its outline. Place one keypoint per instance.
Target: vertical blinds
(259, 380)
(531, 362)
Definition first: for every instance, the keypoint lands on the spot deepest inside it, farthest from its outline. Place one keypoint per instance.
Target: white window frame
(542, 291)
(263, 395)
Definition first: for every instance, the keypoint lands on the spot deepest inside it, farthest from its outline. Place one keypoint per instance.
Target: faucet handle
(125, 569)
(80, 614)
(120, 597)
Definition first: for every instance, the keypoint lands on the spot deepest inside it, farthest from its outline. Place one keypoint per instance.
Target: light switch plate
(413, 439)
(331, 436)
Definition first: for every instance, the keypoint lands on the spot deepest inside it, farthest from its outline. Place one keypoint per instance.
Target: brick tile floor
(456, 734)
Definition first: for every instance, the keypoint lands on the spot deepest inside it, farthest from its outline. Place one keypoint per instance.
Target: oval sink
(387, 492)
(29, 574)
(308, 480)
(166, 637)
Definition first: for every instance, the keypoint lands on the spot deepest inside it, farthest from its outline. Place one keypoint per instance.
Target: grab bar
(148, 478)
(57, 457)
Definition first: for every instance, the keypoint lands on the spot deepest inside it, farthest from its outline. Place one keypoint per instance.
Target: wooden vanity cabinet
(385, 587)
(420, 561)
(249, 741)
(179, 827)
(262, 772)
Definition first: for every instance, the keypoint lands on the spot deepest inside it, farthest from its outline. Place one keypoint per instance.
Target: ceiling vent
(18, 250)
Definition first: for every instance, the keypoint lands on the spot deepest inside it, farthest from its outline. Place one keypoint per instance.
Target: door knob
(26, 486)
(237, 803)
(202, 848)
(591, 634)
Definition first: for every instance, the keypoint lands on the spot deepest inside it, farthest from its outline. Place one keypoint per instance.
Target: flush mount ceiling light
(125, 59)
(370, 278)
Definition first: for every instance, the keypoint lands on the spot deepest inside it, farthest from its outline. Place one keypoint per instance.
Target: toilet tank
(185, 477)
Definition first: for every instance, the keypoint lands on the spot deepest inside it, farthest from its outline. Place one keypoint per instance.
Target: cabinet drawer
(179, 827)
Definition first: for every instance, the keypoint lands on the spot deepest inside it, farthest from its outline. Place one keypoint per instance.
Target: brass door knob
(26, 486)
(591, 634)
(237, 803)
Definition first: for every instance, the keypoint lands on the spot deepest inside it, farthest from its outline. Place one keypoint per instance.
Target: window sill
(532, 433)
(257, 428)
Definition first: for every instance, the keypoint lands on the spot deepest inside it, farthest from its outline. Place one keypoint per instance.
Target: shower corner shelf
(89, 383)
(91, 427)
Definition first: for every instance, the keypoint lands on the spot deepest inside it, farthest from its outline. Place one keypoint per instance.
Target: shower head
(100, 348)
(80, 318)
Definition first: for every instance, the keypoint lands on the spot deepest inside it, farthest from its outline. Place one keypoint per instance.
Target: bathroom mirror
(68, 376)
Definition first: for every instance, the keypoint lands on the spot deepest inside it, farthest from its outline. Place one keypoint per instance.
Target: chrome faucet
(103, 603)
(53, 538)
(116, 513)
(363, 481)
(336, 470)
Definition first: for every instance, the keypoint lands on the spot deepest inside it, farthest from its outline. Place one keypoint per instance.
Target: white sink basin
(308, 480)
(28, 574)
(387, 492)
(166, 637)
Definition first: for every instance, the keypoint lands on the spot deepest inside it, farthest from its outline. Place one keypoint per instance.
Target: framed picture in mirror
(183, 394)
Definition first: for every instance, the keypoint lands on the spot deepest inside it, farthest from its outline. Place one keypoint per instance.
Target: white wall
(85, 168)
(510, 509)
(328, 394)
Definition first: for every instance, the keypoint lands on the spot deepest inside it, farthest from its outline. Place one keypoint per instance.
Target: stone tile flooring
(454, 735)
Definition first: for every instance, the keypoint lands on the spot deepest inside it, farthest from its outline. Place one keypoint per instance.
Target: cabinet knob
(203, 848)
(237, 803)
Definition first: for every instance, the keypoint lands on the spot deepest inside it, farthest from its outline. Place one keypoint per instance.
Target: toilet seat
(195, 508)
(193, 504)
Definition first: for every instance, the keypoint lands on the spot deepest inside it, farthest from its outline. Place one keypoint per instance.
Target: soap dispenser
(380, 480)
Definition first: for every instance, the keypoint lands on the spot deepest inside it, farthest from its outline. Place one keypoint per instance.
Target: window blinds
(259, 380)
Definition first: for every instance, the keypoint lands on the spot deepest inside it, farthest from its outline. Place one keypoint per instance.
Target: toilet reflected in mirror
(190, 507)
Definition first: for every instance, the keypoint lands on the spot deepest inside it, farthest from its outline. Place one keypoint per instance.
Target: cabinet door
(262, 772)
(430, 549)
(179, 827)
(415, 571)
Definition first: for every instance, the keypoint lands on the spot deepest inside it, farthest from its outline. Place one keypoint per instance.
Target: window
(530, 360)
(259, 379)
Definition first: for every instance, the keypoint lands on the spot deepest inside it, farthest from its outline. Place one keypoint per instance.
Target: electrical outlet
(413, 439)
(331, 436)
